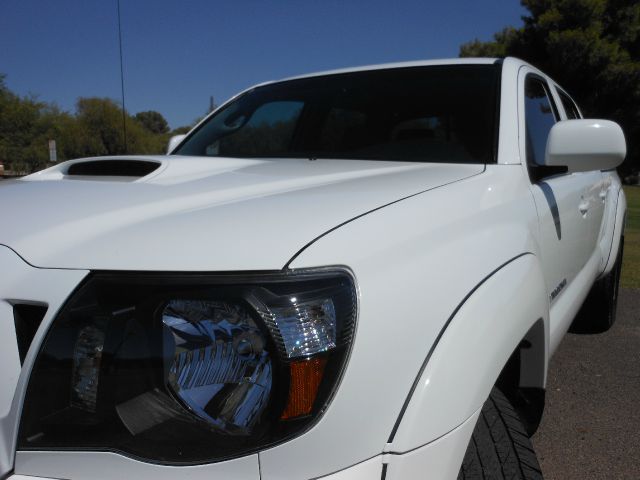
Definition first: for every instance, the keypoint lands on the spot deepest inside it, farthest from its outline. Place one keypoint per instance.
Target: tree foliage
(20, 124)
(95, 128)
(181, 130)
(590, 47)
(153, 121)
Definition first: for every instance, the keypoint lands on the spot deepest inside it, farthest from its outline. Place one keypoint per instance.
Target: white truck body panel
(455, 265)
(141, 225)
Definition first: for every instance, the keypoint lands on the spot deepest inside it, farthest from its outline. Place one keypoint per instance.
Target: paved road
(591, 427)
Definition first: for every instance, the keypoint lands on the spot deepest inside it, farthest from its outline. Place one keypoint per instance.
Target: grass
(631, 261)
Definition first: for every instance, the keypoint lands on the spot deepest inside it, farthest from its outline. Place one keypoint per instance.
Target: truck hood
(172, 213)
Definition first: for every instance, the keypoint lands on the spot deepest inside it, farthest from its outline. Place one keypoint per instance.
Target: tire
(598, 312)
(499, 448)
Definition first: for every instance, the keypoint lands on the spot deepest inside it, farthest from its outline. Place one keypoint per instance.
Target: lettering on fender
(558, 289)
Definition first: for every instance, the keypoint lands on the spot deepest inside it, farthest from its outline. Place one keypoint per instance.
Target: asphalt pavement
(591, 426)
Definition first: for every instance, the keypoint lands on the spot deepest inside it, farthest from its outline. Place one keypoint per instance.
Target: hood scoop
(112, 168)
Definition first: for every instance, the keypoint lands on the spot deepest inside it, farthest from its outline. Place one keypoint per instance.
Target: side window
(569, 106)
(540, 116)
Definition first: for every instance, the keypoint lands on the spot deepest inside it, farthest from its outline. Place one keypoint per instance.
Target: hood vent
(113, 168)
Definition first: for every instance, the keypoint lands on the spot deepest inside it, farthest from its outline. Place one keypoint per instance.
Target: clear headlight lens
(189, 368)
(306, 328)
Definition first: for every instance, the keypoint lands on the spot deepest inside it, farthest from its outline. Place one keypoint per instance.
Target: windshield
(431, 114)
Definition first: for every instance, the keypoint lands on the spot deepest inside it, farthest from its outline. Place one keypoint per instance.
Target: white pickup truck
(358, 274)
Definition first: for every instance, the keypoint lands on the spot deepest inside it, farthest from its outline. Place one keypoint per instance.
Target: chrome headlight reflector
(189, 368)
(209, 347)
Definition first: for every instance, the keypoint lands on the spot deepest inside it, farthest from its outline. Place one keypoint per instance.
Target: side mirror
(173, 142)
(583, 145)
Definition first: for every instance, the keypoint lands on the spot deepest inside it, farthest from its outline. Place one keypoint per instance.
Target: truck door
(565, 202)
(601, 188)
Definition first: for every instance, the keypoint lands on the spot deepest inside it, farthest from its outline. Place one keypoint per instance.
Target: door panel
(594, 198)
(562, 200)
(568, 211)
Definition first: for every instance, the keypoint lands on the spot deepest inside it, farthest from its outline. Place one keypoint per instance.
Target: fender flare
(618, 232)
(508, 306)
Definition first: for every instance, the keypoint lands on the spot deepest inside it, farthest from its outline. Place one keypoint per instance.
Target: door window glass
(569, 105)
(540, 116)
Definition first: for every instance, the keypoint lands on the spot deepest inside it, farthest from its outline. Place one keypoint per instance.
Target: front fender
(473, 347)
(414, 261)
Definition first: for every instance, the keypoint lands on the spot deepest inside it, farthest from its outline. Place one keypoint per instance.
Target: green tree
(23, 143)
(100, 122)
(153, 121)
(181, 130)
(590, 47)
(100, 128)
(94, 129)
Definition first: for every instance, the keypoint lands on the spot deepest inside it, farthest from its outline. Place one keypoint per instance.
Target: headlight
(189, 368)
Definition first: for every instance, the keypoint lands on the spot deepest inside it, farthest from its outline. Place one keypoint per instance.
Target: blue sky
(178, 53)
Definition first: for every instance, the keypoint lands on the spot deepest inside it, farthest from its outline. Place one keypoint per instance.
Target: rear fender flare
(618, 231)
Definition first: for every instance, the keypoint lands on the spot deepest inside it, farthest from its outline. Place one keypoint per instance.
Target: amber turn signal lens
(306, 376)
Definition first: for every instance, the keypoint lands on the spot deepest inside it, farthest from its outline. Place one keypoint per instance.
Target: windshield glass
(431, 114)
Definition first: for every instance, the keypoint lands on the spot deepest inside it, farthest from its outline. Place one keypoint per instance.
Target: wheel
(598, 313)
(499, 448)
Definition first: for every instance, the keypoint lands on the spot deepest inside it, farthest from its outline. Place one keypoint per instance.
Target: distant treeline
(591, 48)
(95, 128)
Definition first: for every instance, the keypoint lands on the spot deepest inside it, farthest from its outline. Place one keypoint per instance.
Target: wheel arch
(499, 332)
(523, 378)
